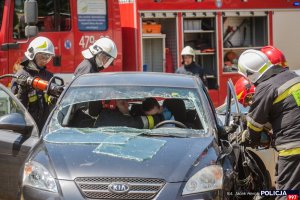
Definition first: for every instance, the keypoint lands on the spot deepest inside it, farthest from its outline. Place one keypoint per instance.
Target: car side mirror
(31, 17)
(15, 122)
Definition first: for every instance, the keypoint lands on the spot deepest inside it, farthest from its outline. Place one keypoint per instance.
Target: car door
(267, 156)
(18, 134)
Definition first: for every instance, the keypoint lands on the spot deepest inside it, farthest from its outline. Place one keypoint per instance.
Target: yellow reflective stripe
(263, 69)
(287, 93)
(251, 126)
(150, 121)
(42, 46)
(289, 152)
(33, 98)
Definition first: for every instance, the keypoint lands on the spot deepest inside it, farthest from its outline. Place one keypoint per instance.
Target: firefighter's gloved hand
(166, 114)
(22, 80)
(247, 139)
(58, 90)
(231, 128)
(239, 117)
(52, 100)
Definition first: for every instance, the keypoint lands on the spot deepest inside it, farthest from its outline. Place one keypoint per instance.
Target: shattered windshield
(120, 119)
(118, 113)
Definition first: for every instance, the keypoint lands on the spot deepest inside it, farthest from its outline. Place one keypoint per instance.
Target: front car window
(79, 102)
(78, 119)
(8, 105)
(1, 11)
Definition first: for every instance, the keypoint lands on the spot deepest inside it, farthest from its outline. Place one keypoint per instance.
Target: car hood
(168, 158)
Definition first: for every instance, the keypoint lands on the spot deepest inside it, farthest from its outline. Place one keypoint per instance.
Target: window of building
(53, 15)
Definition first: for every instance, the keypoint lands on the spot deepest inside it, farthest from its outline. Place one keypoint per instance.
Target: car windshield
(78, 117)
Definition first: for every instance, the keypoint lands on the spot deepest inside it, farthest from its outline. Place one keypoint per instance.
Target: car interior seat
(177, 108)
(193, 119)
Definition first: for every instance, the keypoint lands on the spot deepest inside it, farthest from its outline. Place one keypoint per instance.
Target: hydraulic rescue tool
(53, 87)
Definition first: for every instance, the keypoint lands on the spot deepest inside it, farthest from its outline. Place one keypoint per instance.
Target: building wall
(287, 35)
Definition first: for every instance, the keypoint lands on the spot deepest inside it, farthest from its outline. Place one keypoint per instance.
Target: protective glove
(239, 117)
(56, 90)
(166, 114)
(247, 139)
(231, 128)
(22, 80)
(52, 100)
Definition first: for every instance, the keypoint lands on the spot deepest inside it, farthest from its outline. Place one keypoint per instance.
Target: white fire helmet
(188, 51)
(104, 50)
(39, 45)
(253, 64)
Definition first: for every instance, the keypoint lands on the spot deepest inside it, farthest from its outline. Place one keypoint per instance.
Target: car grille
(140, 188)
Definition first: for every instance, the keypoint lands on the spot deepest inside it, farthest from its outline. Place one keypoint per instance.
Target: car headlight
(208, 178)
(36, 175)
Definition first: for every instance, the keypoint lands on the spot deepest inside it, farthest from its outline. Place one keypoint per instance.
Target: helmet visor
(104, 60)
(43, 57)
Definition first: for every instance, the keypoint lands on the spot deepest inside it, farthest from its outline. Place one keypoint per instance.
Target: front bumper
(69, 190)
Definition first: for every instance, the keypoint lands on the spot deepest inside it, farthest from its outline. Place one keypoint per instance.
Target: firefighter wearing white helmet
(98, 56)
(276, 101)
(39, 53)
(189, 64)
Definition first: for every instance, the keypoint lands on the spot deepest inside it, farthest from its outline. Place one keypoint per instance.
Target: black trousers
(288, 173)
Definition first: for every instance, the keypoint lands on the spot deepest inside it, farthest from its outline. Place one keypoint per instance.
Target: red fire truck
(72, 25)
(219, 30)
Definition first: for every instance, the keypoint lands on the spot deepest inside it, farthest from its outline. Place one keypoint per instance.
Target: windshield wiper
(160, 134)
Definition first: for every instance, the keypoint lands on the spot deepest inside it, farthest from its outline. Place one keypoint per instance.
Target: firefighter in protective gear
(97, 57)
(244, 91)
(189, 64)
(275, 55)
(276, 101)
(39, 53)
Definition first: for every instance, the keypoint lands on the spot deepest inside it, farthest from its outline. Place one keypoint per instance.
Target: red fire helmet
(275, 55)
(244, 90)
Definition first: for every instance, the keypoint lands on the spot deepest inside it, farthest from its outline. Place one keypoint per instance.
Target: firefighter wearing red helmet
(276, 101)
(275, 55)
(244, 90)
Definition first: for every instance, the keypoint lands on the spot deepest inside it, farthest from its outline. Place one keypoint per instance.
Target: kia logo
(118, 188)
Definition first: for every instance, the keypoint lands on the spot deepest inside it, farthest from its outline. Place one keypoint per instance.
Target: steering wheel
(170, 122)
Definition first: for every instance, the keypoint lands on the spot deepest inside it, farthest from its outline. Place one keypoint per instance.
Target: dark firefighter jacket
(277, 101)
(35, 101)
(87, 66)
(192, 69)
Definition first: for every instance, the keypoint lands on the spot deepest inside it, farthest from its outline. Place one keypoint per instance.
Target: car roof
(136, 78)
